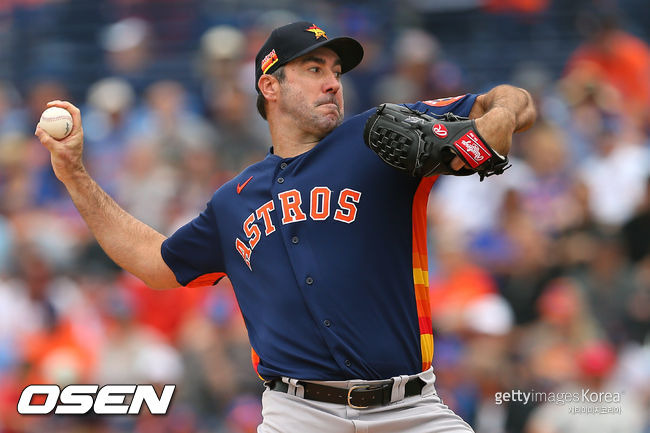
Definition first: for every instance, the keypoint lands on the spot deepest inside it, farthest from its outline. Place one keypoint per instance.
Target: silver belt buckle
(352, 388)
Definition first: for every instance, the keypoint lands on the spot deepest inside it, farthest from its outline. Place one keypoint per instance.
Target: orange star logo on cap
(317, 31)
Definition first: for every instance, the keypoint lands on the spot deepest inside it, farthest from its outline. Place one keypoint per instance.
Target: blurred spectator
(631, 163)
(146, 185)
(108, 125)
(518, 253)
(223, 49)
(17, 184)
(636, 230)
(218, 338)
(455, 286)
(240, 142)
(128, 47)
(451, 364)
(593, 109)
(613, 55)
(167, 120)
(133, 353)
(460, 204)
(548, 194)
(632, 372)
(565, 319)
(200, 174)
(46, 313)
(608, 283)
(637, 308)
(41, 92)
(48, 190)
(12, 115)
(415, 54)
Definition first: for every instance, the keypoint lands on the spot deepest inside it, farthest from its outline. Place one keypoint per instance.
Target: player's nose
(332, 83)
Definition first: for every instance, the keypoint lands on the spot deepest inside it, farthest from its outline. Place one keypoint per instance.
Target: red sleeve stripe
(206, 280)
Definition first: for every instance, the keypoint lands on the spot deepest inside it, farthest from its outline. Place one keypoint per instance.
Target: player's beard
(308, 116)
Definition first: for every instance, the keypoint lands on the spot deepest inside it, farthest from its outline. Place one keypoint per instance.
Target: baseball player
(325, 244)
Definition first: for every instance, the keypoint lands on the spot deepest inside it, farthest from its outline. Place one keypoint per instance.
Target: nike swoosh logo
(240, 187)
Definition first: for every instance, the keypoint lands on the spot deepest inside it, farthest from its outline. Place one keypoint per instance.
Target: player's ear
(269, 87)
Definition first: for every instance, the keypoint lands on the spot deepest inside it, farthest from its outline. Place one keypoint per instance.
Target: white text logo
(107, 400)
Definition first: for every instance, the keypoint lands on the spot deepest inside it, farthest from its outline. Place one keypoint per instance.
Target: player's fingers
(457, 163)
(45, 138)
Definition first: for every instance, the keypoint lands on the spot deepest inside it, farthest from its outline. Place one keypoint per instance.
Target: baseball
(57, 122)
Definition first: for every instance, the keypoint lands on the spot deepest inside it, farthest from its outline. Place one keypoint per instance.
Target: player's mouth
(331, 105)
(329, 102)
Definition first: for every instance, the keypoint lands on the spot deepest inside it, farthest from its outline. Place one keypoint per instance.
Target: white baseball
(57, 122)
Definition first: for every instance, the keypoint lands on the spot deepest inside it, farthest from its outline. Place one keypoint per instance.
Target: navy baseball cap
(289, 42)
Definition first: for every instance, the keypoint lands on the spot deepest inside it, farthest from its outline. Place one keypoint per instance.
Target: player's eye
(314, 69)
(337, 75)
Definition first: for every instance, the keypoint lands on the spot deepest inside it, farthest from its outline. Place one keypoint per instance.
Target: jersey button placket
(295, 240)
(283, 166)
(309, 281)
(280, 180)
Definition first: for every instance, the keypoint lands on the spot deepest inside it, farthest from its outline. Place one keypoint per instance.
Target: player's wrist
(502, 117)
(71, 173)
(496, 127)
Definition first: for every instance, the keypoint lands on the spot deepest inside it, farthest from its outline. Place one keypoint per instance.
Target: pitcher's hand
(66, 154)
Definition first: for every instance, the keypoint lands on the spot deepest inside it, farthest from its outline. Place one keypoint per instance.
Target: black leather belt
(357, 396)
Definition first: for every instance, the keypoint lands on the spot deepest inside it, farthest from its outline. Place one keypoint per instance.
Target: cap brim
(349, 51)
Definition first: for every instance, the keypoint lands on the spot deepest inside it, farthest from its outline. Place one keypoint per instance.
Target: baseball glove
(423, 145)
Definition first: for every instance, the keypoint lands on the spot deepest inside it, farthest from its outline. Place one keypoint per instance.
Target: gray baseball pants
(425, 413)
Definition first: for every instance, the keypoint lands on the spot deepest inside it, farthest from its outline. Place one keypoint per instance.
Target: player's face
(311, 92)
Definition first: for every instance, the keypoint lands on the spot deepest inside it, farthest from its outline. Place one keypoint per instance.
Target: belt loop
(399, 385)
(295, 388)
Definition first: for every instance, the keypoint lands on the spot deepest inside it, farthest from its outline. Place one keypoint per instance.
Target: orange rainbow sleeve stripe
(421, 269)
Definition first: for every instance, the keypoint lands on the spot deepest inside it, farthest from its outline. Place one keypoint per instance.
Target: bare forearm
(500, 113)
(513, 103)
(130, 243)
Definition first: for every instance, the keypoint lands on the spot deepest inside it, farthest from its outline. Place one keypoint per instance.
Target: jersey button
(295, 240)
(309, 280)
(280, 180)
(348, 363)
(283, 165)
(327, 323)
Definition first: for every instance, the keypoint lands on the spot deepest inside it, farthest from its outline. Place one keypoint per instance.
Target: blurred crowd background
(540, 279)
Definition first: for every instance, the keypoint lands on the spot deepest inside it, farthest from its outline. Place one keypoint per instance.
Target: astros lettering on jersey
(327, 255)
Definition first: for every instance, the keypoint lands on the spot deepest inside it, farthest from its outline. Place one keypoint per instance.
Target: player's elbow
(528, 113)
(161, 280)
(159, 276)
(160, 284)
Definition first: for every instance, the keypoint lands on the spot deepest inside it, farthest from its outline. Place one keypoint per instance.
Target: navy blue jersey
(326, 252)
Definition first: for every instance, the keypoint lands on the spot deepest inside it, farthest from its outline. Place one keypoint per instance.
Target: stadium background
(540, 279)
